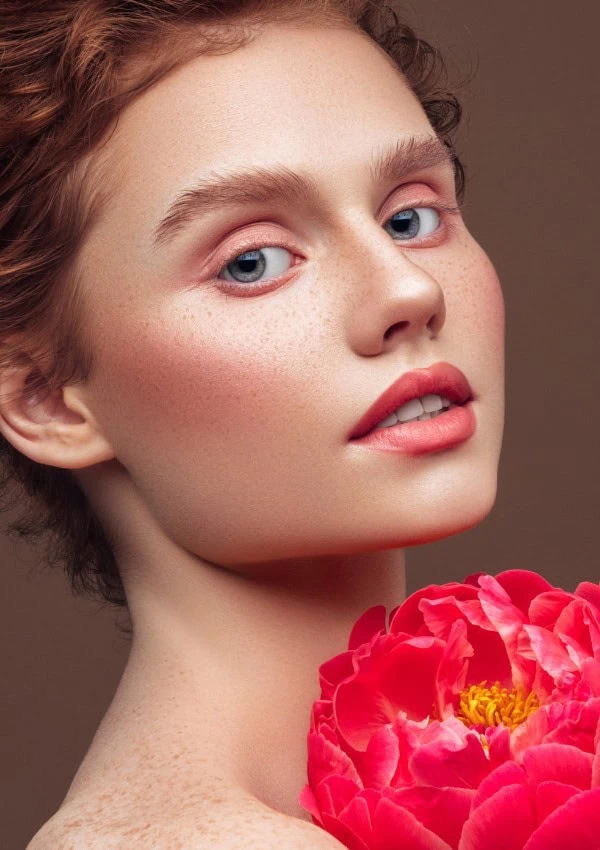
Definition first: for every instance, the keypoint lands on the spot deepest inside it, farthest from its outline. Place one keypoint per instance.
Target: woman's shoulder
(234, 822)
(139, 792)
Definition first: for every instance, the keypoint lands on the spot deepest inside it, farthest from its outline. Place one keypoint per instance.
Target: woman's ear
(56, 429)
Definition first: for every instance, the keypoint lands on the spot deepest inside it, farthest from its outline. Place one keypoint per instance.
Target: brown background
(530, 143)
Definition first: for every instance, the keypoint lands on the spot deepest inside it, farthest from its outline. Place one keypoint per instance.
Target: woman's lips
(449, 429)
(441, 379)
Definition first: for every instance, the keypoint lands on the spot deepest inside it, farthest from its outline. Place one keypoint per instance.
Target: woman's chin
(439, 515)
(464, 518)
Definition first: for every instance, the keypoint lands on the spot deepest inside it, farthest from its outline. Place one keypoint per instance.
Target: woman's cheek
(214, 381)
(495, 309)
(486, 298)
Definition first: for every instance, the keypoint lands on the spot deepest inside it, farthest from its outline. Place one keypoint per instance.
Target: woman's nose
(400, 301)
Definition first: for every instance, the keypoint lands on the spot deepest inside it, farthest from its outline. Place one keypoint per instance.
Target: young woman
(231, 247)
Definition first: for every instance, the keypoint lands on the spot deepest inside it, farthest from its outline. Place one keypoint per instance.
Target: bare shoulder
(246, 824)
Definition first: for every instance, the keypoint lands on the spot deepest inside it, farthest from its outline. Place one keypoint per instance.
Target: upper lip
(440, 378)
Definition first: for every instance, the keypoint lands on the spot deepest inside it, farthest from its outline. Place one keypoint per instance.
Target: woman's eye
(408, 224)
(250, 266)
(273, 261)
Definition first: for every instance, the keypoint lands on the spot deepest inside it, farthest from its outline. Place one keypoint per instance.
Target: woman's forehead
(306, 99)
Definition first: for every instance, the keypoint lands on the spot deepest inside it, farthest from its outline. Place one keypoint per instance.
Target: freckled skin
(250, 534)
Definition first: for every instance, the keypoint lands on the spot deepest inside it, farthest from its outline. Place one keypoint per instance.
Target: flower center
(483, 706)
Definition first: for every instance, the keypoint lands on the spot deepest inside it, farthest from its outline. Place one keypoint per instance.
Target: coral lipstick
(448, 429)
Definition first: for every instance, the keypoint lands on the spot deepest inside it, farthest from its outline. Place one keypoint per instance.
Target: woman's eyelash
(255, 243)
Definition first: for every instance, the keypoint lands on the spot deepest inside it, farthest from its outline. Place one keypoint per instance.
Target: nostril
(392, 328)
(437, 321)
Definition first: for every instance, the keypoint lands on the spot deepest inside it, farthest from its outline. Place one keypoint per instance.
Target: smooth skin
(211, 437)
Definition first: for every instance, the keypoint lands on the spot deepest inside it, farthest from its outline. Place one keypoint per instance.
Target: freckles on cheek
(495, 309)
(484, 300)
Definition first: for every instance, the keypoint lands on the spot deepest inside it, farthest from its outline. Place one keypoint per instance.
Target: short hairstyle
(67, 69)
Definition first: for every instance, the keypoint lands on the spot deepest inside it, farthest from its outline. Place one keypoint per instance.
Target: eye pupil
(406, 222)
(245, 264)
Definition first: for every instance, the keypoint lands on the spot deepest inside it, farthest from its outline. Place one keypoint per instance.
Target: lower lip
(445, 431)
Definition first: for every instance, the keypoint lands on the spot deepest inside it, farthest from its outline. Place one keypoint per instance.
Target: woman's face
(228, 389)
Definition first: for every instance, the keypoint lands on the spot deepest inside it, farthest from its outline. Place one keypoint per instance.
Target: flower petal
(357, 817)
(453, 669)
(381, 758)
(343, 833)
(508, 773)
(573, 722)
(408, 617)
(551, 795)
(399, 675)
(503, 822)
(326, 758)
(596, 763)
(574, 824)
(530, 733)
(549, 651)
(590, 592)
(367, 626)
(560, 762)
(488, 657)
(578, 631)
(546, 608)
(473, 578)
(449, 759)
(308, 801)
(590, 674)
(342, 791)
(334, 671)
(508, 620)
(395, 827)
(442, 810)
(523, 586)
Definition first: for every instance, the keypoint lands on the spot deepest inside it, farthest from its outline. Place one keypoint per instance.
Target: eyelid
(452, 209)
(253, 243)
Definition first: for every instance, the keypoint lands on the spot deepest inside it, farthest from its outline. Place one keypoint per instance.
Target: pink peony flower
(474, 689)
(549, 802)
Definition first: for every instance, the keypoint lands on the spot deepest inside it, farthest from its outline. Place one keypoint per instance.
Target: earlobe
(55, 429)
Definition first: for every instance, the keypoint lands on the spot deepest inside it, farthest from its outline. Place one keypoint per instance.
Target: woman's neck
(227, 662)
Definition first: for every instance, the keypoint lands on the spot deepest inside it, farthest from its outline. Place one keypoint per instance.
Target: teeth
(410, 410)
(391, 420)
(427, 407)
(431, 403)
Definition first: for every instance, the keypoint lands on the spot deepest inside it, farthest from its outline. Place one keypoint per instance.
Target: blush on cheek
(496, 311)
(491, 300)
(199, 384)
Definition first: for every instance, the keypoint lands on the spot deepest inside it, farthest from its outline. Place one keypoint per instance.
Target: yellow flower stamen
(483, 706)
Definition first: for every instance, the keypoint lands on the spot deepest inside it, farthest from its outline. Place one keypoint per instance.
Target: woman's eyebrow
(279, 184)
